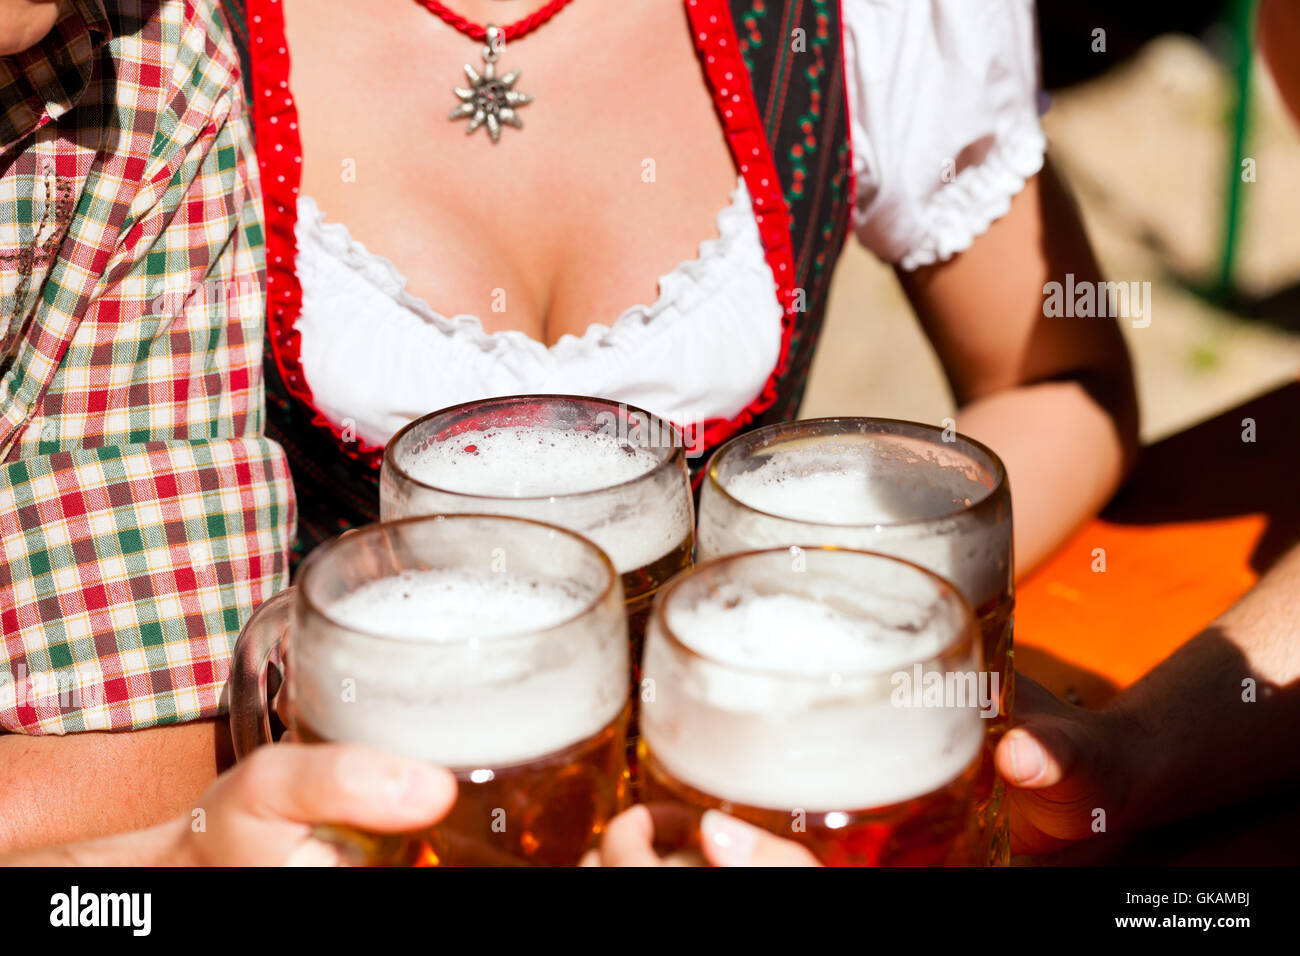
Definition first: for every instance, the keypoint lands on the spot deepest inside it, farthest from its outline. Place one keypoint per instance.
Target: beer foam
(513, 470)
(846, 500)
(455, 605)
(848, 496)
(781, 714)
(791, 634)
(455, 676)
(528, 462)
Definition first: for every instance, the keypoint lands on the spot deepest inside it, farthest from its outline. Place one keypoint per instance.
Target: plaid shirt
(143, 514)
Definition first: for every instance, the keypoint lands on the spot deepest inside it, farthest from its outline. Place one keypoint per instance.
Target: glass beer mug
(827, 695)
(910, 490)
(493, 646)
(607, 470)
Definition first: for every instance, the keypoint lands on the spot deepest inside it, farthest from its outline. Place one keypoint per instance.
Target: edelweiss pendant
(490, 100)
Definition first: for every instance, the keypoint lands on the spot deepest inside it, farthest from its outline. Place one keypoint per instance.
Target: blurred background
(1151, 135)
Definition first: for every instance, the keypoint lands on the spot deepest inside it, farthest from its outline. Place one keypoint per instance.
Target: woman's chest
(618, 174)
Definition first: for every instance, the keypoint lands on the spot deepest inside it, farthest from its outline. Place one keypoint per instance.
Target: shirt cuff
(126, 573)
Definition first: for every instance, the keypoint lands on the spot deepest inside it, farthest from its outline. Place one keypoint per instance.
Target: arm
(1054, 397)
(156, 846)
(1185, 739)
(1201, 743)
(58, 789)
(260, 813)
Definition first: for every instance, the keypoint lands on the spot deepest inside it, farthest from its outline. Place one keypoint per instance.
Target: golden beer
(935, 829)
(640, 587)
(995, 622)
(913, 491)
(546, 812)
(830, 696)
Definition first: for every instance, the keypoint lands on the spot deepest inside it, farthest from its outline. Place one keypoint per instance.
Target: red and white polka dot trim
(724, 67)
(279, 151)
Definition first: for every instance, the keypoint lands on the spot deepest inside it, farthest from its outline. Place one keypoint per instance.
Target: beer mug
(830, 696)
(611, 472)
(917, 492)
(496, 647)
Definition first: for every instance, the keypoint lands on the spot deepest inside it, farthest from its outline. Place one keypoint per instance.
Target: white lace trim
(693, 276)
(980, 195)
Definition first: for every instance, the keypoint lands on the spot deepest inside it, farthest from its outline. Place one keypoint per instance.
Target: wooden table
(1203, 515)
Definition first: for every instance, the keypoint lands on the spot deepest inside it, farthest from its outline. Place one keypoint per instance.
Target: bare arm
(59, 789)
(260, 812)
(1216, 721)
(1212, 724)
(156, 846)
(1054, 397)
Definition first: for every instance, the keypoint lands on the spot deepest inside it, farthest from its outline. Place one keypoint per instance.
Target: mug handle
(250, 726)
(250, 710)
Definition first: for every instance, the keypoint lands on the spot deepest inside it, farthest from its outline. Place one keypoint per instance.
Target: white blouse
(943, 117)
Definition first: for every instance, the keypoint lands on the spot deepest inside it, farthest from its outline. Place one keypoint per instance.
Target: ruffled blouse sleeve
(943, 99)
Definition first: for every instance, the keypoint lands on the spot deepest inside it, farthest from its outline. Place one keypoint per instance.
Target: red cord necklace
(490, 100)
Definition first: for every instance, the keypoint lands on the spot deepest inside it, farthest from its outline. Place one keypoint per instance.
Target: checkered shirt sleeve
(143, 514)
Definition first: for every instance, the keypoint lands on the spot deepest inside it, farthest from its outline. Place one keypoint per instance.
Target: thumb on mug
(1033, 757)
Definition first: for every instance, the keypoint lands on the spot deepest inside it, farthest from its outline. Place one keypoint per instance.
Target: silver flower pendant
(490, 100)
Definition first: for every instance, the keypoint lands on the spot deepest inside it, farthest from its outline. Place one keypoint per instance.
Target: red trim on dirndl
(279, 152)
(718, 47)
(848, 127)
